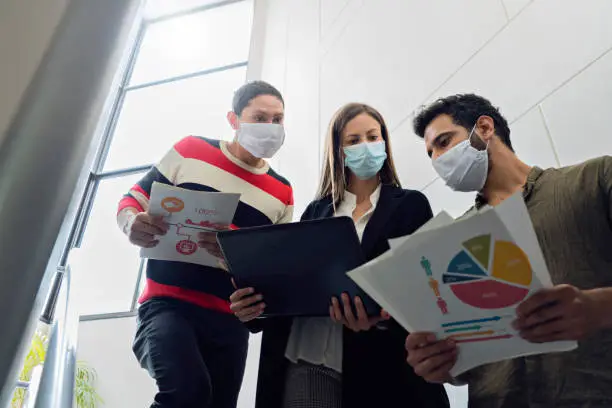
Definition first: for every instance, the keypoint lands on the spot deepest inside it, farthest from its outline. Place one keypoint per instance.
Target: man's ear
(233, 120)
(485, 128)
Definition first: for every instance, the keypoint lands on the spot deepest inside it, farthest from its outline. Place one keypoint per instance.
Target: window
(106, 268)
(160, 8)
(189, 58)
(205, 40)
(153, 118)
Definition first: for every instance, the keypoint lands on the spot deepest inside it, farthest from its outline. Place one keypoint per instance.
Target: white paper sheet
(442, 219)
(188, 212)
(465, 280)
(513, 213)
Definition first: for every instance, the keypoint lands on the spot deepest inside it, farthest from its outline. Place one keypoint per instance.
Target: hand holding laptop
(246, 304)
(358, 320)
(279, 261)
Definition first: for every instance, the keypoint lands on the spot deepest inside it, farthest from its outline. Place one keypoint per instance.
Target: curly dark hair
(465, 109)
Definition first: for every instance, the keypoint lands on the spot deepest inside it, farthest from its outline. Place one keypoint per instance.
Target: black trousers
(196, 356)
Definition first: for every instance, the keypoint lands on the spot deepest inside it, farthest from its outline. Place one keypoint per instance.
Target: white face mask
(463, 167)
(262, 140)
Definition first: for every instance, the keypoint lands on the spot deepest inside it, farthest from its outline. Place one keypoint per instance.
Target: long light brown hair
(334, 177)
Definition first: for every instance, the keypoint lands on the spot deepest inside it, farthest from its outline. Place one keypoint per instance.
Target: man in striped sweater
(187, 337)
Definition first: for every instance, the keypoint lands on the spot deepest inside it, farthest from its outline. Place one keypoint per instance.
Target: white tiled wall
(106, 345)
(330, 11)
(546, 63)
(411, 161)
(536, 53)
(577, 114)
(302, 99)
(393, 57)
(531, 139)
(513, 7)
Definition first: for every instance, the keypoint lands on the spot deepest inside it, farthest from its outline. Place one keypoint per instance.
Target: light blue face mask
(365, 159)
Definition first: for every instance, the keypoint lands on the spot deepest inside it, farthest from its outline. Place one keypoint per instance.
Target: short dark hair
(251, 90)
(465, 109)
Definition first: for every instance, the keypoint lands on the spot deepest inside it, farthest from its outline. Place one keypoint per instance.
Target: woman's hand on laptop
(244, 304)
(343, 313)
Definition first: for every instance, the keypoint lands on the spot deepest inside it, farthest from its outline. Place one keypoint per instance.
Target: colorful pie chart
(489, 274)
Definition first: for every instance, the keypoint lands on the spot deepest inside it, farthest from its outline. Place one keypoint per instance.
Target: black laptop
(297, 267)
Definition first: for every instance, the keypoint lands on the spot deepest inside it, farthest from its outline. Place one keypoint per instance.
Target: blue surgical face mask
(365, 159)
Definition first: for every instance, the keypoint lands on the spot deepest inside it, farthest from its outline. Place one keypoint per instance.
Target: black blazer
(374, 368)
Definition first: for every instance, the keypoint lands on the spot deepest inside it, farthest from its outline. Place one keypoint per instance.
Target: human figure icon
(442, 305)
(435, 286)
(426, 266)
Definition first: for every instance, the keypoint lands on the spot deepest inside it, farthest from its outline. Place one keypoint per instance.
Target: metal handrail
(62, 342)
(56, 387)
(48, 312)
(32, 391)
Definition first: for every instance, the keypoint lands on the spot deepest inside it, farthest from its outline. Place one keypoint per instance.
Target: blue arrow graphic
(459, 329)
(488, 319)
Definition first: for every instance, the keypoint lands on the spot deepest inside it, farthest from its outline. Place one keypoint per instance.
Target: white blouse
(318, 340)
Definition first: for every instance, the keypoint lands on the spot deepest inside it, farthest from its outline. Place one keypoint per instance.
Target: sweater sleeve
(137, 198)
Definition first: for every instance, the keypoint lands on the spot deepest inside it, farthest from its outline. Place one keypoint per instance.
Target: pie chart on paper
(489, 274)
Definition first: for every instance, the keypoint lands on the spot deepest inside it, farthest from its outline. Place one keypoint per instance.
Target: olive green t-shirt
(571, 211)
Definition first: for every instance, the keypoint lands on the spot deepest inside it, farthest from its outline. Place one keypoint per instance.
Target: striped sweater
(196, 163)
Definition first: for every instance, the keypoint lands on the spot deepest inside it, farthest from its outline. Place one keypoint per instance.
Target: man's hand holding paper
(143, 229)
(431, 358)
(208, 241)
(562, 312)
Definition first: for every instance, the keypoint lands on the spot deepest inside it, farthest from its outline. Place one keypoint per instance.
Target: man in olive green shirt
(571, 210)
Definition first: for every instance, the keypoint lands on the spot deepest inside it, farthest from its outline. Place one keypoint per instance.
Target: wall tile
(578, 114)
(513, 7)
(334, 29)
(411, 160)
(330, 11)
(394, 56)
(442, 197)
(270, 25)
(299, 156)
(537, 52)
(531, 141)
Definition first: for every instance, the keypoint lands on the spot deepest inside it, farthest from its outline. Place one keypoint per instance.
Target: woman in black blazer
(348, 360)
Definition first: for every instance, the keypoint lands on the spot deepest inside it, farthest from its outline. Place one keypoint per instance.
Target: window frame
(96, 173)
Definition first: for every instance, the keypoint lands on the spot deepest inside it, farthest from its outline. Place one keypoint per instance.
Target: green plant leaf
(85, 393)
